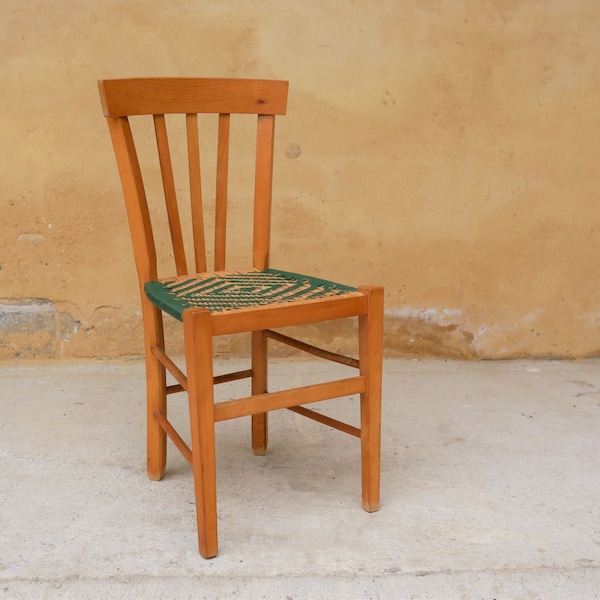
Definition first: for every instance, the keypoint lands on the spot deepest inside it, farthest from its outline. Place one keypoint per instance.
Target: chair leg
(199, 360)
(371, 354)
(260, 421)
(156, 396)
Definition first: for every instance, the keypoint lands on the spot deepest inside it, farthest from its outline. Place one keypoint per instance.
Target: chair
(219, 302)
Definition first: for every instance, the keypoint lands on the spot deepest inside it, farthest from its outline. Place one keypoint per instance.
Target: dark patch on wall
(33, 328)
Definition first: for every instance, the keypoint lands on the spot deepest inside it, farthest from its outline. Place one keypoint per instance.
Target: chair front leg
(371, 355)
(156, 396)
(197, 329)
(260, 421)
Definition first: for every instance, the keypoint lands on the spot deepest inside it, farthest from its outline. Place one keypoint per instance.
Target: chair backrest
(125, 98)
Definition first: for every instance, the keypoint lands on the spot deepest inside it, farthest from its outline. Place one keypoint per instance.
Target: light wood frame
(124, 98)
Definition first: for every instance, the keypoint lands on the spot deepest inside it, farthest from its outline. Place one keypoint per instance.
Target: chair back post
(138, 215)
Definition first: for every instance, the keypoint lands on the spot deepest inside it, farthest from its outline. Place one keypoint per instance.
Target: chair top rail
(168, 95)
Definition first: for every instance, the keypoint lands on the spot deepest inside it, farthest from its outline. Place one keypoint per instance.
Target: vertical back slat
(262, 190)
(196, 192)
(221, 192)
(166, 169)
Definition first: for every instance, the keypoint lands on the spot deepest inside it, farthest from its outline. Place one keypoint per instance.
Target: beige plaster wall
(449, 150)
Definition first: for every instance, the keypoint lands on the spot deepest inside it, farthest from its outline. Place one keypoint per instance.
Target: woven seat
(228, 291)
(220, 301)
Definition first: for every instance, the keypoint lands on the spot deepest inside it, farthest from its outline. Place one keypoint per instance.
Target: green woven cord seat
(228, 291)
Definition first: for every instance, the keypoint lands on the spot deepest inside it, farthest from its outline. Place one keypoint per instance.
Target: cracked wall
(446, 150)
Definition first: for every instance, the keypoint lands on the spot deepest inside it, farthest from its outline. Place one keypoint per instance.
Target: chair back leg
(156, 396)
(260, 421)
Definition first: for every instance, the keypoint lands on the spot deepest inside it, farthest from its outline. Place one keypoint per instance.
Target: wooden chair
(219, 302)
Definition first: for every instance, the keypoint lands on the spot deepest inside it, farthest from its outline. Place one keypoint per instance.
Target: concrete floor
(490, 489)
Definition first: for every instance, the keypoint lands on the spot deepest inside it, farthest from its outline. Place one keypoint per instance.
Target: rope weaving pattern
(240, 290)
